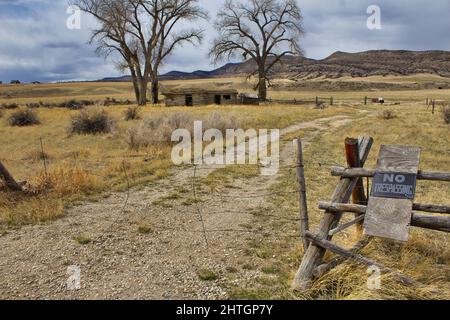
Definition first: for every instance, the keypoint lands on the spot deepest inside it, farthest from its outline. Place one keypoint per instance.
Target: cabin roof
(184, 91)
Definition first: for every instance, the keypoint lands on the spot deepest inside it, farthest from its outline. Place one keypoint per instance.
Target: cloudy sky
(36, 45)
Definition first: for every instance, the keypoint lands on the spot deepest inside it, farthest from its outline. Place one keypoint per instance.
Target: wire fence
(264, 195)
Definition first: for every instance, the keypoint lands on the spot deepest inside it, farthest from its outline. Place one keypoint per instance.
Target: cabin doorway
(217, 99)
(189, 100)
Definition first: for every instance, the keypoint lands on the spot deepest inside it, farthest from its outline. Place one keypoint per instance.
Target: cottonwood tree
(143, 33)
(263, 30)
(169, 14)
(120, 30)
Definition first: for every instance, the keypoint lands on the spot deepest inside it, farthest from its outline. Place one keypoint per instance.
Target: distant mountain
(379, 62)
(339, 64)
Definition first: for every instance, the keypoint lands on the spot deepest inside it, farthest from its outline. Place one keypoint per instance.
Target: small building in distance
(249, 99)
(191, 97)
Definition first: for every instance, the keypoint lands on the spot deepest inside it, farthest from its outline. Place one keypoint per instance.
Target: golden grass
(78, 166)
(426, 257)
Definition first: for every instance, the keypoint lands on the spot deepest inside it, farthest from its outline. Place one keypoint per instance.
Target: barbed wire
(122, 211)
(198, 207)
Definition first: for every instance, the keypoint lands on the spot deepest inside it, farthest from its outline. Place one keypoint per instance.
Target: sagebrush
(158, 130)
(92, 121)
(23, 117)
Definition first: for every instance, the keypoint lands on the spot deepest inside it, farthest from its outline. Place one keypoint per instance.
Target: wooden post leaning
(304, 221)
(314, 255)
(353, 161)
(8, 179)
(393, 161)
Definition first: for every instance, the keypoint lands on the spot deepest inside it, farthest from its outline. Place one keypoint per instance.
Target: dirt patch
(187, 236)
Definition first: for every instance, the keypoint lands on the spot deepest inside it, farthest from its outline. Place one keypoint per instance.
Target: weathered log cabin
(199, 97)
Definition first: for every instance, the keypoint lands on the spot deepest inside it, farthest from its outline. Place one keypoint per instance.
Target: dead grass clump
(446, 115)
(158, 130)
(145, 228)
(66, 181)
(37, 155)
(221, 121)
(92, 121)
(83, 239)
(46, 194)
(22, 209)
(132, 113)
(23, 117)
(207, 275)
(387, 115)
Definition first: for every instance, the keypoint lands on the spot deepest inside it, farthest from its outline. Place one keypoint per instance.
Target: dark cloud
(36, 45)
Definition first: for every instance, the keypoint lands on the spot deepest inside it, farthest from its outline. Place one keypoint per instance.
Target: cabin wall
(200, 99)
(175, 100)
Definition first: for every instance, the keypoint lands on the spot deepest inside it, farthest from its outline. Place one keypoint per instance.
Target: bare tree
(263, 30)
(143, 33)
(170, 14)
(121, 31)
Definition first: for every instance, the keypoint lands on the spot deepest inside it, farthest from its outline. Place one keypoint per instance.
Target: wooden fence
(371, 210)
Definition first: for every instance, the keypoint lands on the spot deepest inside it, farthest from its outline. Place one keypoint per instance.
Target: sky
(37, 45)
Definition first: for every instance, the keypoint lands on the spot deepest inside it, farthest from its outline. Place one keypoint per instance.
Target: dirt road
(165, 263)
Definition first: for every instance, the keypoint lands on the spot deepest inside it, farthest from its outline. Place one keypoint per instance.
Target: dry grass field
(64, 169)
(426, 257)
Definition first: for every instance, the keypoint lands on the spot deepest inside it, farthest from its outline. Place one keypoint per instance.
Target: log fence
(350, 186)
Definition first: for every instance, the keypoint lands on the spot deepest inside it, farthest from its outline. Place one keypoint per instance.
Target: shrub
(10, 106)
(387, 115)
(132, 113)
(23, 117)
(92, 121)
(446, 115)
(74, 104)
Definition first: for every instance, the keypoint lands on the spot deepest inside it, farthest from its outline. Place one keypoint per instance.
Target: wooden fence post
(317, 101)
(9, 180)
(304, 220)
(434, 104)
(331, 101)
(314, 255)
(353, 161)
(365, 100)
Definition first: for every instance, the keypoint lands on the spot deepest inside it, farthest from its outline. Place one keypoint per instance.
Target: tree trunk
(142, 93)
(155, 90)
(262, 85)
(135, 83)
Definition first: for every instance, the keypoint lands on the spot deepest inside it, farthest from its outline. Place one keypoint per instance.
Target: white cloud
(36, 45)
